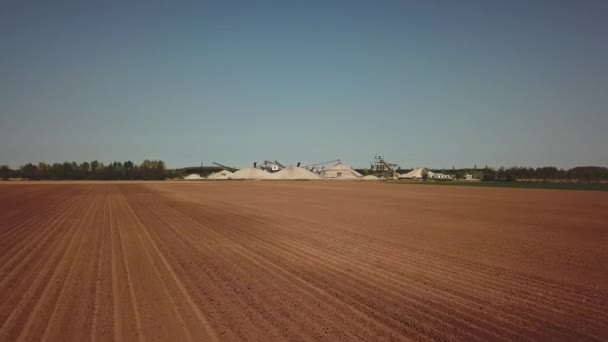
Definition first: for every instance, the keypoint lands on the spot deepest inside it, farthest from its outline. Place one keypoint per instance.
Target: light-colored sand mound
(370, 177)
(224, 174)
(251, 173)
(193, 176)
(415, 174)
(294, 172)
(340, 171)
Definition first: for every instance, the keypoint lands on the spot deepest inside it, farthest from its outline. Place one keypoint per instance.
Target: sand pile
(415, 174)
(340, 171)
(294, 172)
(224, 174)
(193, 176)
(251, 173)
(370, 177)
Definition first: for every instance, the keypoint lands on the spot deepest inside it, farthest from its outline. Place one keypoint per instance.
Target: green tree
(149, 169)
(84, 169)
(43, 171)
(425, 174)
(29, 171)
(5, 172)
(94, 166)
(128, 167)
(488, 174)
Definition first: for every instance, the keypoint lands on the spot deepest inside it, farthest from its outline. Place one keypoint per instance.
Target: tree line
(520, 173)
(147, 170)
(156, 170)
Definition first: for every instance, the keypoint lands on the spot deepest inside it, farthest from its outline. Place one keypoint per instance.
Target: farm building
(440, 176)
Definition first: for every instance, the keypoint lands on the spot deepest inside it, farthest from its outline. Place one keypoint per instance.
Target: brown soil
(302, 261)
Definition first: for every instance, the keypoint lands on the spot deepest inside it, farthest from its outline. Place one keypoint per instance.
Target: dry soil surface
(301, 261)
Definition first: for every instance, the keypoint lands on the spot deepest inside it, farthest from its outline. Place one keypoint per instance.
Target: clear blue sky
(425, 83)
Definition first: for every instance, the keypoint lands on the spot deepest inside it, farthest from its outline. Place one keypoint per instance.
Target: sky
(423, 83)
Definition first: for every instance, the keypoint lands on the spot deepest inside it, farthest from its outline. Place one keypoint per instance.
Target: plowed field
(300, 261)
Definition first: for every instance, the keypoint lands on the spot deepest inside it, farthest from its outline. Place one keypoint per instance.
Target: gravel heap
(251, 173)
(340, 171)
(294, 172)
(370, 177)
(193, 176)
(224, 174)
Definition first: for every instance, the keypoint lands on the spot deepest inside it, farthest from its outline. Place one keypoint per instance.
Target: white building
(440, 176)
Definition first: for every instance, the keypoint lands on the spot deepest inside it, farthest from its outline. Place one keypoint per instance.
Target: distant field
(521, 185)
(300, 261)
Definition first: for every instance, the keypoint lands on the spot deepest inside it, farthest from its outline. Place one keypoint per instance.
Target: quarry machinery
(315, 167)
(231, 169)
(382, 168)
(272, 166)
